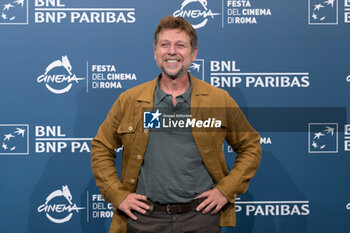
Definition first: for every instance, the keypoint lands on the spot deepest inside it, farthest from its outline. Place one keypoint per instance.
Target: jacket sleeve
(245, 141)
(103, 156)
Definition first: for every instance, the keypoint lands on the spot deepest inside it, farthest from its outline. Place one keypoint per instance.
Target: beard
(174, 75)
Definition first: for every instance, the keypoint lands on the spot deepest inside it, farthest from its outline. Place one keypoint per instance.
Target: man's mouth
(172, 61)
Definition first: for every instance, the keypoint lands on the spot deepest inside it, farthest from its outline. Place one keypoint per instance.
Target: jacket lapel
(147, 93)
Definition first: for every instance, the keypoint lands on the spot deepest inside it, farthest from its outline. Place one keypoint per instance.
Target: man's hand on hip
(214, 201)
(134, 202)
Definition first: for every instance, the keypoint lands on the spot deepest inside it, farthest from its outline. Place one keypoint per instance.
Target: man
(174, 180)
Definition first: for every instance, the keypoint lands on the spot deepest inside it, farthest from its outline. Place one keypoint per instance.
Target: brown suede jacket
(123, 126)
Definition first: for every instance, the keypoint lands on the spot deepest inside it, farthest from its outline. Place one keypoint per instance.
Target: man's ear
(154, 53)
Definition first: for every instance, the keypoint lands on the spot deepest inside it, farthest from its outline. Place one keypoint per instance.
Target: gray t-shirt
(172, 170)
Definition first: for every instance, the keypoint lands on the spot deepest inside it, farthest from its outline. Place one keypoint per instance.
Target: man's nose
(172, 49)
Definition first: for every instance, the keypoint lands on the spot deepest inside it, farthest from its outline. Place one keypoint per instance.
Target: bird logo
(13, 139)
(195, 66)
(12, 11)
(323, 12)
(322, 137)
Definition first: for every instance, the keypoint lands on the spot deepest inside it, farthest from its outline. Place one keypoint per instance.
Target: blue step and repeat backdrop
(63, 64)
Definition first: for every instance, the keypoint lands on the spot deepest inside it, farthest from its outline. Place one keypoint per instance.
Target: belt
(176, 208)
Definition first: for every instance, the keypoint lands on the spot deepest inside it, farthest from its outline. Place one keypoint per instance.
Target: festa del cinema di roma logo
(59, 213)
(58, 77)
(197, 17)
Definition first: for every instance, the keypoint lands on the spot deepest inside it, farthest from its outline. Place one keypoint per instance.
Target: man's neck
(174, 87)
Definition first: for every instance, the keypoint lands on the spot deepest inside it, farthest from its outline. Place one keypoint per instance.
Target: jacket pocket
(126, 131)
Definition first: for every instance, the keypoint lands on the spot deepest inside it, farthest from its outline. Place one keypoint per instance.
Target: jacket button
(146, 131)
(139, 157)
(132, 181)
(130, 128)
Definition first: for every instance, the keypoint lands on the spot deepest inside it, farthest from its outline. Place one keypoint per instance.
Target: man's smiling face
(173, 52)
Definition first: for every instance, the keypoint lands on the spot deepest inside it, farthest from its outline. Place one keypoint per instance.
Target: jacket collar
(199, 87)
(147, 93)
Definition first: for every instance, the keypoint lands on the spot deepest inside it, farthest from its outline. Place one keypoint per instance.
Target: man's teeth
(172, 61)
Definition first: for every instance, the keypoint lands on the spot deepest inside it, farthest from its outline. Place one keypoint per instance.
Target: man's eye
(181, 45)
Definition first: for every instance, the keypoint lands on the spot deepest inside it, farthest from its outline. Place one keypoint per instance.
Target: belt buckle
(168, 209)
(151, 207)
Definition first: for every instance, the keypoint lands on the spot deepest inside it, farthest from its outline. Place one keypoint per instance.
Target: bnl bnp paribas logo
(58, 77)
(323, 12)
(14, 12)
(197, 12)
(14, 139)
(323, 137)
